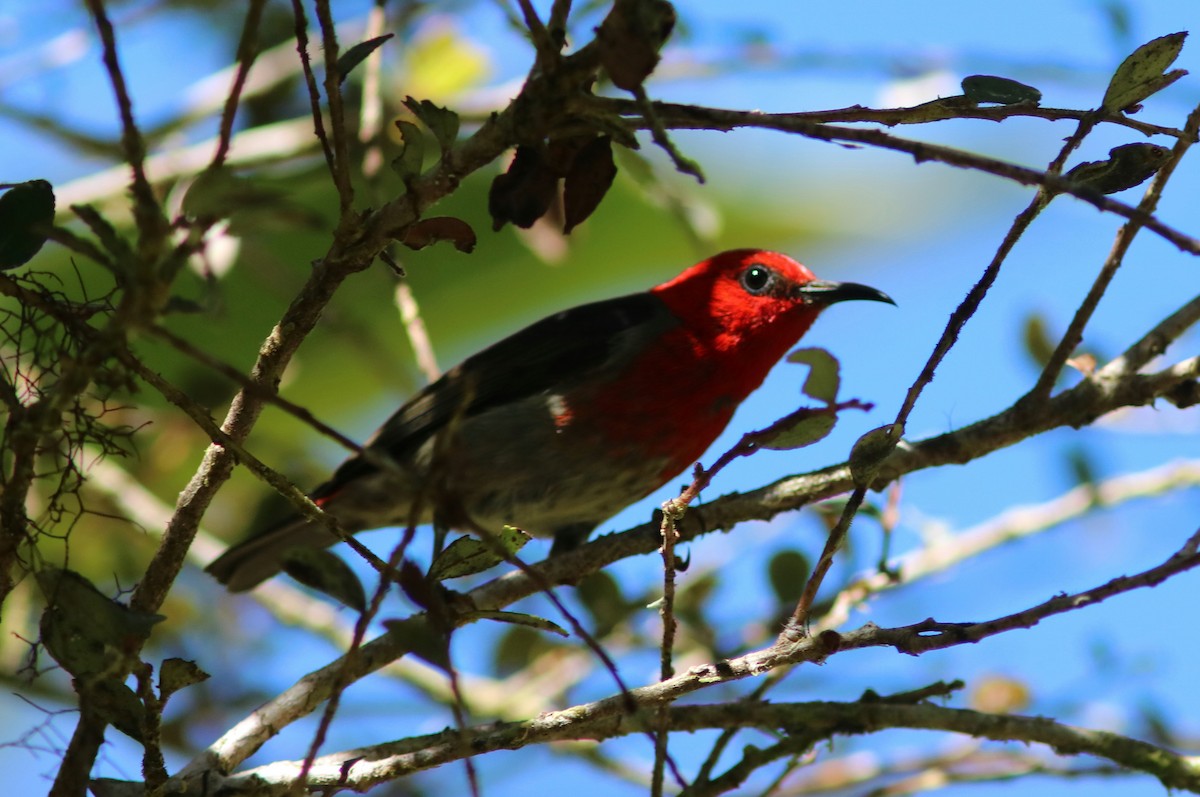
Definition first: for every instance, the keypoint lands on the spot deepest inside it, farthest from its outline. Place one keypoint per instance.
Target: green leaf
(1142, 73)
(799, 429)
(824, 377)
(601, 595)
(469, 555)
(176, 674)
(442, 122)
(357, 54)
(325, 572)
(118, 705)
(694, 598)
(182, 304)
(1036, 338)
(1002, 90)
(517, 618)
(871, 450)
(788, 571)
(832, 510)
(518, 647)
(412, 157)
(422, 640)
(1127, 166)
(26, 214)
(1084, 469)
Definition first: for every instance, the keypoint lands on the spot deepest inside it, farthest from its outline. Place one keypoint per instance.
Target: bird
(562, 424)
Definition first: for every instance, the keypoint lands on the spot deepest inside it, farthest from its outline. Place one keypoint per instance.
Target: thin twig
(151, 224)
(152, 227)
(545, 587)
(666, 611)
(936, 111)
(337, 109)
(797, 627)
(370, 130)
(310, 81)
(247, 51)
(659, 133)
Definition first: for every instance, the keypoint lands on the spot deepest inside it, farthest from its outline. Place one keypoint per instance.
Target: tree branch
(805, 725)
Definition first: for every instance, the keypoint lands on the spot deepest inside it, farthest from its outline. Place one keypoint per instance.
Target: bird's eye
(757, 279)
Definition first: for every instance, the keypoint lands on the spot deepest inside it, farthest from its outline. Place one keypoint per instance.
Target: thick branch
(936, 111)
(808, 723)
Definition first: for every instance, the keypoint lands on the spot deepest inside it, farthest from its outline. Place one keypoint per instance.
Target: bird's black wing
(547, 356)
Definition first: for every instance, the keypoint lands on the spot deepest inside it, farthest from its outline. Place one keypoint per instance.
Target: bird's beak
(825, 292)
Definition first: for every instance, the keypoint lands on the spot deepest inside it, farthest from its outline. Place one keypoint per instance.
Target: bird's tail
(253, 561)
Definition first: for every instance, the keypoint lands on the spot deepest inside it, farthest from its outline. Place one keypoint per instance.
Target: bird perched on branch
(561, 425)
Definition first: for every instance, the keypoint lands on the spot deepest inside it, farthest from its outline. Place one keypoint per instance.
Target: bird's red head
(753, 303)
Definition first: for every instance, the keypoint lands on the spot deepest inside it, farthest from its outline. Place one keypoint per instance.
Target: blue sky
(923, 237)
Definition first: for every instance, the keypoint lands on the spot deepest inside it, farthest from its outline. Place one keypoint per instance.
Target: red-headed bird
(561, 425)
